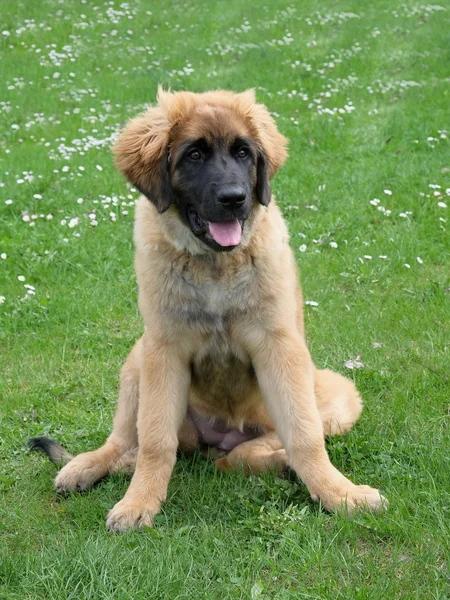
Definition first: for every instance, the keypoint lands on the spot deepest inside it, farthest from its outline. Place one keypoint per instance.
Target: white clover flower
(302, 248)
(21, 278)
(419, 260)
(442, 205)
(356, 363)
(407, 266)
(74, 222)
(311, 303)
(333, 245)
(2, 299)
(99, 168)
(375, 202)
(8, 202)
(388, 192)
(3, 255)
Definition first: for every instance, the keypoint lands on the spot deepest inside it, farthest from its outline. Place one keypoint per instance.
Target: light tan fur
(223, 334)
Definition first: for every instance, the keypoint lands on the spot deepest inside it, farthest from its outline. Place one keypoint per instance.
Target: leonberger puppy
(223, 362)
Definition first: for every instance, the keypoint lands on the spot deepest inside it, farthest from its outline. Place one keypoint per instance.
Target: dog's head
(210, 155)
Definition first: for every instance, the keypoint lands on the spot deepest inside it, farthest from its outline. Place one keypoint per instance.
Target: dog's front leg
(163, 393)
(285, 375)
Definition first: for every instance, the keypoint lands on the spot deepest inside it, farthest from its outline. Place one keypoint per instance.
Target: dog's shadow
(200, 495)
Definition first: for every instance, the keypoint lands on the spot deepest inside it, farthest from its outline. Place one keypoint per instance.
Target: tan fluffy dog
(223, 360)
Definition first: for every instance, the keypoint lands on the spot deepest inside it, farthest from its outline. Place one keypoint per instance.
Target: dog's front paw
(354, 498)
(367, 498)
(126, 515)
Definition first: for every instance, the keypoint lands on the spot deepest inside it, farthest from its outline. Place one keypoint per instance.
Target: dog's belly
(223, 381)
(218, 434)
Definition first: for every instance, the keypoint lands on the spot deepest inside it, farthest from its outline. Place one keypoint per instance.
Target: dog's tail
(55, 452)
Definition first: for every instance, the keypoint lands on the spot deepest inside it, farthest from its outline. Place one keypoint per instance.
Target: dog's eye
(195, 154)
(242, 153)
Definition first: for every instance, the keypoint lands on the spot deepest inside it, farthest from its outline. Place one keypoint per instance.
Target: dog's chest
(209, 302)
(207, 308)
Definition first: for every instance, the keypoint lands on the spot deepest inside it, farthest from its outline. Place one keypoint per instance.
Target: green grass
(62, 348)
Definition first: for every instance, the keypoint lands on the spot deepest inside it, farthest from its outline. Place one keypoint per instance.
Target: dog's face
(213, 176)
(209, 155)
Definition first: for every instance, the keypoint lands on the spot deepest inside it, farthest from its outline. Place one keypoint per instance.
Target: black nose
(231, 197)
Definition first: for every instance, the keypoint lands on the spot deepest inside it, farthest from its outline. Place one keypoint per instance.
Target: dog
(223, 361)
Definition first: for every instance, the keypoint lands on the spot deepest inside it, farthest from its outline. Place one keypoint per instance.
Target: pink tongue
(226, 234)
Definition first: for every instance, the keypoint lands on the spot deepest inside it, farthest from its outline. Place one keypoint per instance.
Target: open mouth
(225, 233)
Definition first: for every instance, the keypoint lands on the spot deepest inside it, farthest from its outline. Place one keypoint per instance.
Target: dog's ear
(262, 187)
(272, 141)
(142, 154)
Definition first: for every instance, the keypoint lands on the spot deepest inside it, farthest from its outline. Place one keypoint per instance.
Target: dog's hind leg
(260, 455)
(119, 453)
(338, 401)
(86, 469)
(339, 405)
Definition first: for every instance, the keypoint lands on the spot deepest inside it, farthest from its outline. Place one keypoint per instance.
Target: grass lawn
(361, 89)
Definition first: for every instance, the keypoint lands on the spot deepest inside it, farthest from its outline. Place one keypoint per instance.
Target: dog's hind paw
(80, 474)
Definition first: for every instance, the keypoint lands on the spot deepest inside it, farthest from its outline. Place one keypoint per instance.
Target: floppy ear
(272, 141)
(142, 154)
(262, 187)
